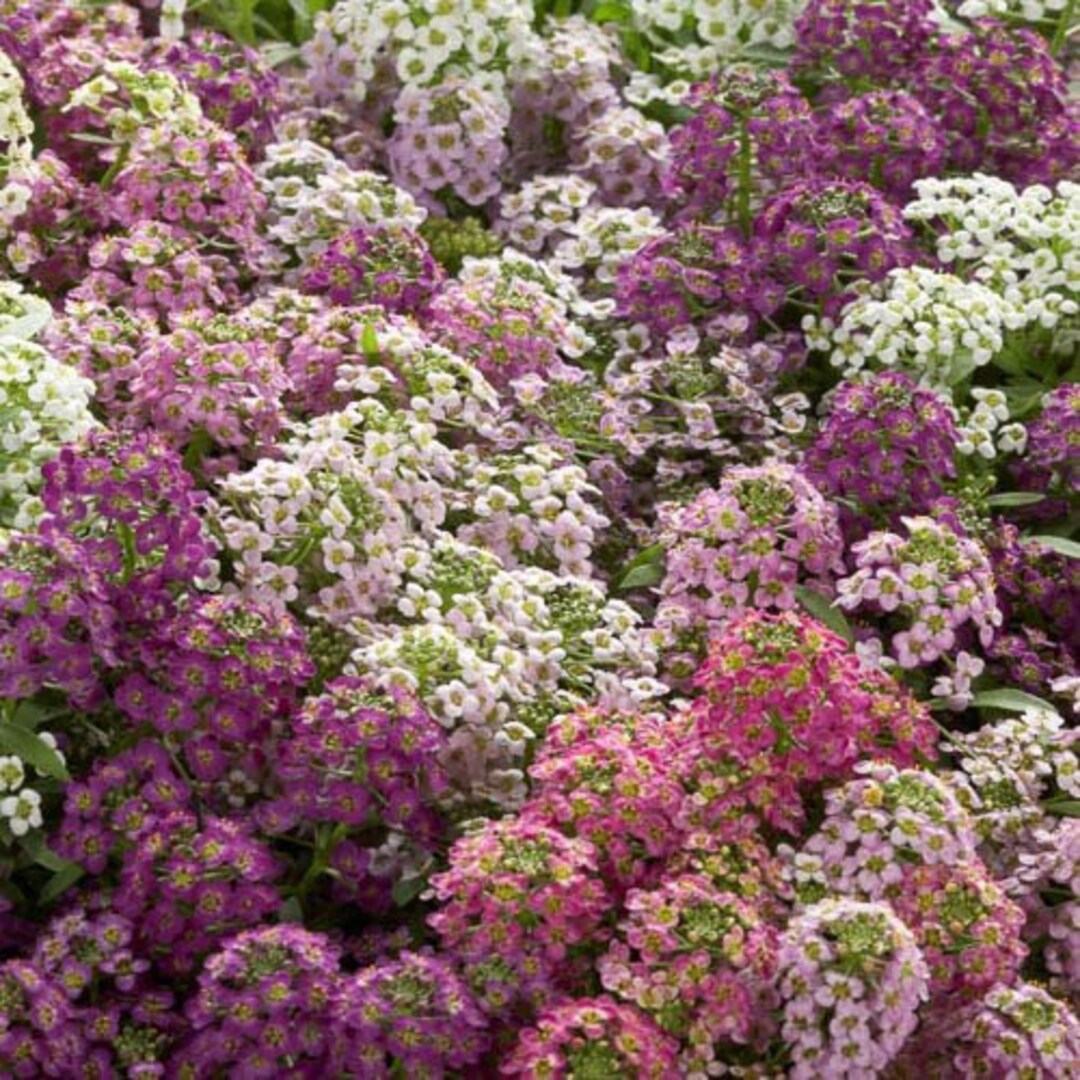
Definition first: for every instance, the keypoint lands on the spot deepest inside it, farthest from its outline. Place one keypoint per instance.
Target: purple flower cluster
(935, 584)
(189, 884)
(386, 265)
(748, 543)
(412, 1015)
(749, 130)
(217, 675)
(871, 40)
(821, 236)
(887, 446)
(264, 1005)
(360, 757)
(884, 137)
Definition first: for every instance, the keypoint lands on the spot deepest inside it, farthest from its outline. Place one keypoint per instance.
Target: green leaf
(41, 854)
(369, 341)
(1063, 807)
(611, 12)
(30, 714)
(291, 911)
(407, 890)
(60, 882)
(821, 609)
(33, 750)
(1010, 700)
(1069, 548)
(644, 570)
(1015, 498)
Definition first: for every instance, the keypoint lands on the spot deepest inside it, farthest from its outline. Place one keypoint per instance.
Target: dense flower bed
(537, 539)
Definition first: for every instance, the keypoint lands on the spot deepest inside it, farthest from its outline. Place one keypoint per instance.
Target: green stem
(326, 840)
(114, 169)
(745, 166)
(1063, 29)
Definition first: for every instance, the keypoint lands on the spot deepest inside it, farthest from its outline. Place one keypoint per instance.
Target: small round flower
(691, 274)
(862, 40)
(263, 1006)
(784, 706)
(58, 626)
(967, 929)
(389, 265)
(133, 509)
(516, 897)
(580, 1038)
(819, 237)
(45, 404)
(1003, 100)
(617, 794)
(412, 1016)
(1019, 1031)
(216, 675)
(449, 139)
(361, 757)
(188, 884)
(936, 585)
(746, 544)
(105, 811)
(624, 154)
(699, 960)
(852, 981)
(748, 131)
(885, 137)
(875, 826)
(887, 445)
(235, 86)
(934, 325)
(38, 1036)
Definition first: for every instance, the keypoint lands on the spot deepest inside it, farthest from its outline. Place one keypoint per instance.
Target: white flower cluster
(512, 265)
(314, 196)
(983, 429)
(20, 806)
(1009, 767)
(604, 237)
(624, 153)
(132, 99)
(936, 326)
(570, 80)
(361, 45)
(22, 314)
(16, 151)
(721, 29)
(1025, 244)
(443, 388)
(543, 211)
(322, 527)
(496, 653)
(1028, 10)
(43, 404)
(531, 507)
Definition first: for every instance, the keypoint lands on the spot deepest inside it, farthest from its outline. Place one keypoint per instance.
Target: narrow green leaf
(1069, 548)
(32, 714)
(1015, 498)
(644, 570)
(291, 911)
(60, 882)
(611, 12)
(30, 747)
(407, 890)
(821, 609)
(369, 341)
(1012, 700)
(1063, 807)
